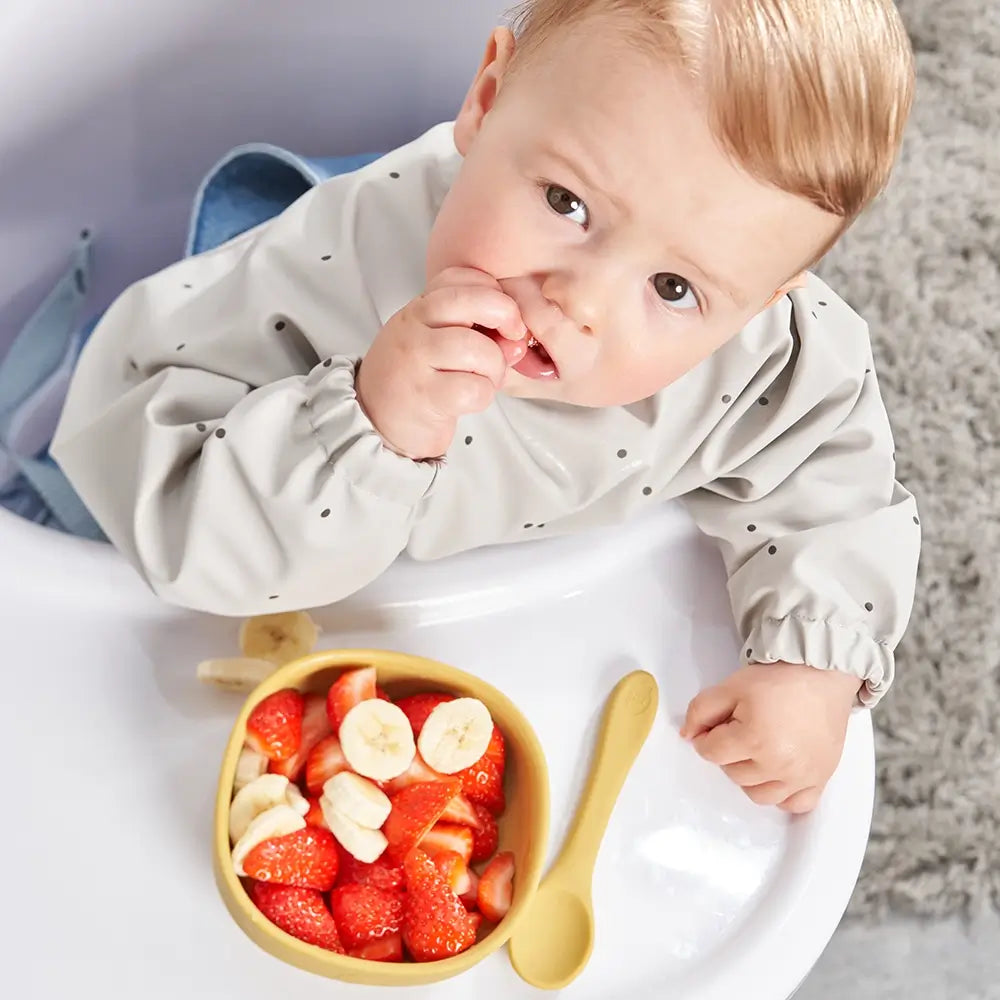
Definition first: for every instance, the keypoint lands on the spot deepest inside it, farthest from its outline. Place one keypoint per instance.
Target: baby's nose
(581, 299)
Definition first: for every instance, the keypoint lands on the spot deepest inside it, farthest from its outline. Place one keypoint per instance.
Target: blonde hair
(810, 96)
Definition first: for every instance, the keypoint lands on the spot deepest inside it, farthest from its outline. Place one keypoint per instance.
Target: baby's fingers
(770, 793)
(802, 802)
(472, 306)
(725, 744)
(711, 707)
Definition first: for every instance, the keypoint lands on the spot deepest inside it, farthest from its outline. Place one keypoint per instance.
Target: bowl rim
(342, 967)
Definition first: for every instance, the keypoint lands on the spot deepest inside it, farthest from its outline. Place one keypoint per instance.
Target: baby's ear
(798, 281)
(483, 91)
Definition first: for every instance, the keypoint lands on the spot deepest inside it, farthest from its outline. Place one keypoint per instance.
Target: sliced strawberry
(482, 783)
(364, 913)
(315, 725)
(486, 838)
(471, 896)
(418, 771)
(497, 750)
(384, 949)
(455, 870)
(448, 837)
(435, 922)
(299, 912)
(460, 810)
(351, 688)
(307, 858)
(382, 694)
(414, 811)
(315, 815)
(381, 874)
(325, 760)
(274, 727)
(416, 707)
(496, 887)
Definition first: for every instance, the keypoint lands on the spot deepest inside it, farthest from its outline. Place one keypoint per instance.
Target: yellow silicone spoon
(553, 940)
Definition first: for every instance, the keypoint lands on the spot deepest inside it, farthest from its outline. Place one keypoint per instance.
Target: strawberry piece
(381, 874)
(460, 810)
(486, 838)
(435, 922)
(351, 688)
(274, 727)
(455, 870)
(315, 816)
(418, 771)
(471, 896)
(497, 750)
(364, 913)
(416, 707)
(384, 949)
(496, 887)
(299, 912)
(315, 725)
(414, 811)
(325, 760)
(449, 837)
(482, 783)
(381, 694)
(307, 858)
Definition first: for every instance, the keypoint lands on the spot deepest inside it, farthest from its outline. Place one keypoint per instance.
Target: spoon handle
(628, 717)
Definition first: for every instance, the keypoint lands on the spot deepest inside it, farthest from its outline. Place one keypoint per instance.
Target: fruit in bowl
(388, 813)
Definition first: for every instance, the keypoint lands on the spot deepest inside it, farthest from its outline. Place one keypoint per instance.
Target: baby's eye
(566, 203)
(675, 290)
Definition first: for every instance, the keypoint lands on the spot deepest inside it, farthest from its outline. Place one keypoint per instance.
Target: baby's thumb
(707, 710)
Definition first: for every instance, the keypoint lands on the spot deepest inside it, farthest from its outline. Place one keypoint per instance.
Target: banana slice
(377, 740)
(274, 822)
(278, 638)
(258, 796)
(455, 735)
(359, 841)
(235, 673)
(358, 799)
(250, 765)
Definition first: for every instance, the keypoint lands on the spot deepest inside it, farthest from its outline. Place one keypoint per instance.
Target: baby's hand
(776, 729)
(428, 365)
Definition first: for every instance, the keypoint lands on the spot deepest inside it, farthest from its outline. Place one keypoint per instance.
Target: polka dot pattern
(325, 512)
(280, 325)
(727, 398)
(647, 490)
(751, 527)
(221, 432)
(201, 427)
(468, 439)
(394, 174)
(771, 549)
(869, 606)
(622, 453)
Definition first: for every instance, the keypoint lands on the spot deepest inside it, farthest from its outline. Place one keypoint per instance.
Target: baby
(584, 296)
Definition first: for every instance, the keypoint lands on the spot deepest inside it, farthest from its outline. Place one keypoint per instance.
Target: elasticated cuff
(350, 440)
(825, 646)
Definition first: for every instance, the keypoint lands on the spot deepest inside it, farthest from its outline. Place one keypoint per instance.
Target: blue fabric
(248, 186)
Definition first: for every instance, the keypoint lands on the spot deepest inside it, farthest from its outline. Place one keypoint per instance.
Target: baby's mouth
(537, 363)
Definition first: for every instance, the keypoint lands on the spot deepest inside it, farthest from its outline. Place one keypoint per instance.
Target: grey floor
(904, 960)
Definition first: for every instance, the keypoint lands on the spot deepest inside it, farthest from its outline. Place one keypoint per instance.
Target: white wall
(112, 110)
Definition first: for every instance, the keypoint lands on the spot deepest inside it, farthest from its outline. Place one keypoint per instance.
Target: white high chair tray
(699, 894)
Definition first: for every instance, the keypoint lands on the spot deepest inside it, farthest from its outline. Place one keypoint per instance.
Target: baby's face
(593, 189)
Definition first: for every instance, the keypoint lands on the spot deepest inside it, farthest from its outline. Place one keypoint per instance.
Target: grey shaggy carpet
(924, 268)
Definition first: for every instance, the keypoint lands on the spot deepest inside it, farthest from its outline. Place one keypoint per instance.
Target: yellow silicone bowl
(523, 827)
